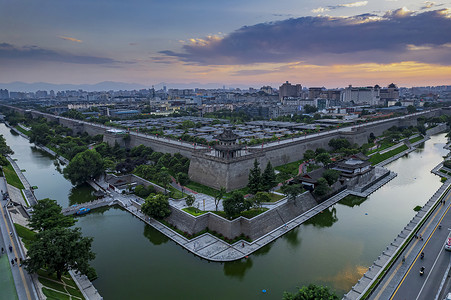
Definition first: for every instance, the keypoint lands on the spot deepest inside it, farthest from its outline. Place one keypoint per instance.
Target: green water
(335, 248)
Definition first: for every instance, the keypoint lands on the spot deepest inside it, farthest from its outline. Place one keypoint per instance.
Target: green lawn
(377, 158)
(175, 193)
(290, 168)
(26, 132)
(11, 176)
(275, 197)
(200, 188)
(27, 235)
(416, 139)
(194, 211)
(54, 295)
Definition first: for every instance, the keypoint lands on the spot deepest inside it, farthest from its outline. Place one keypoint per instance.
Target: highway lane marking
(416, 258)
(429, 274)
(400, 264)
(27, 291)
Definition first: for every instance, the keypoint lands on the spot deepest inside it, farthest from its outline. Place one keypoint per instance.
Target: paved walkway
(31, 199)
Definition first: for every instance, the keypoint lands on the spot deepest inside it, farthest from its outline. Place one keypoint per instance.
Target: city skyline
(255, 43)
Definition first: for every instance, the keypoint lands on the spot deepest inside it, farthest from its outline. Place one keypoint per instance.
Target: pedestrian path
(31, 199)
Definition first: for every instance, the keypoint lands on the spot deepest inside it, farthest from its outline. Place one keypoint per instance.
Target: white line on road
(429, 274)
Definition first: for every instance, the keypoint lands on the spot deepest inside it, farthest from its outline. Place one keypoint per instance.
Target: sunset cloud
(325, 40)
(70, 39)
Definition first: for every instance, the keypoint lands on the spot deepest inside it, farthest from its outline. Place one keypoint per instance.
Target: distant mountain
(101, 86)
(18, 86)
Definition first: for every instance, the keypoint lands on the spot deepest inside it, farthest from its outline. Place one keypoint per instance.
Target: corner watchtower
(227, 147)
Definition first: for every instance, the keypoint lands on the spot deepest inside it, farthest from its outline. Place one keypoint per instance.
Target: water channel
(335, 248)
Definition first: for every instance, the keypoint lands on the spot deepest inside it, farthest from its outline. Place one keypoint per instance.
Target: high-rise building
(4, 94)
(289, 90)
(361, 95)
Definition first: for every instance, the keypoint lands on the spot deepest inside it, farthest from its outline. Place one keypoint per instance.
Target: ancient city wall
(254, 228)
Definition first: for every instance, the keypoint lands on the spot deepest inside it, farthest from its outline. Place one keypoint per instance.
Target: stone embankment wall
(437, 129)
(254, 228)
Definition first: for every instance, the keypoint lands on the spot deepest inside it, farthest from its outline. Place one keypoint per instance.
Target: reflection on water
(293, 238)
(325, 218)
(237, 269)
(154, 236)
(81, 194)
(352, 200)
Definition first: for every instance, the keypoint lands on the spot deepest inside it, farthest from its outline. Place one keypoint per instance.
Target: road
(436, 262)
(403, 281)
(22, 280)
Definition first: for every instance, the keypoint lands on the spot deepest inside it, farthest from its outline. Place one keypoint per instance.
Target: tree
(323, 158)
(164, 178)
(339, 143)
(84, 166)
(218, 196)
(40, 133)
(60, 250)
(4, 148)
(291, 191)
(310, 109)
(156, 206)
(255, 178)
(234, 205)
(47, 215)
(311, 292)
(411, 109)
(268, 177)
(322, 188)
(261, 197)
(190, 200)
(182, 179)
(331, 176)
(309, 154)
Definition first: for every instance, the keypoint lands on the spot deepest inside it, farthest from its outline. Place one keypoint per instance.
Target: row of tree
(258, 181)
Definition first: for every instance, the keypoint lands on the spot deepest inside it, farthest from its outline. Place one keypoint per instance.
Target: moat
(335, 248)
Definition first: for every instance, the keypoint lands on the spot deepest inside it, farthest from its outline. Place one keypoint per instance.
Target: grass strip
(416, 139)
(11, 177)
(28, 236)
(54, 295)
(26, 132)
(52, 284)
(377, 158)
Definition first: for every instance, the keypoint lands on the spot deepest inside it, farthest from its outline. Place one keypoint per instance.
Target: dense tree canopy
(40, 133)
(311, 292)
(331, 176)
(47, 215)
(84, 166)
(235, 204)
(156, 206)
(60, 250)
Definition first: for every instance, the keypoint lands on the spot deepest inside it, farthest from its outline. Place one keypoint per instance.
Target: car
(448, 242)
(82, 211)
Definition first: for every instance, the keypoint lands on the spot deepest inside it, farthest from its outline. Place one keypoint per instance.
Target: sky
(235, 42)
